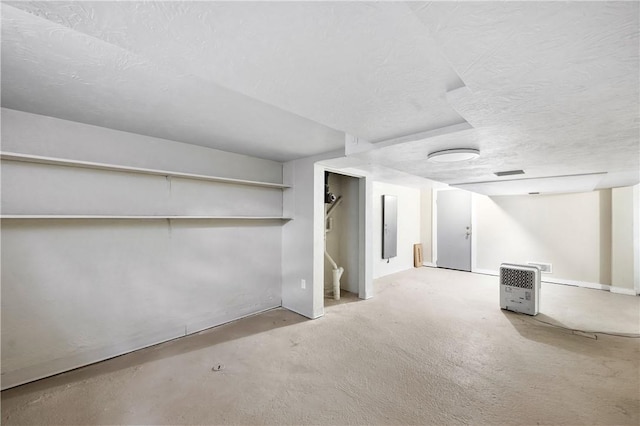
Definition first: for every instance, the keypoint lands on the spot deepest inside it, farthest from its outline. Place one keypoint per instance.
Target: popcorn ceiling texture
(551, 88)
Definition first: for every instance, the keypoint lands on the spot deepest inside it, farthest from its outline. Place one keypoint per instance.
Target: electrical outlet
(303, 284)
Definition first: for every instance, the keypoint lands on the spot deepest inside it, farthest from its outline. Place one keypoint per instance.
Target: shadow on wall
(255, 324)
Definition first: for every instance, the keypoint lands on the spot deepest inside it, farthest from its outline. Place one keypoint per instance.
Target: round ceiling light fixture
(453, 155)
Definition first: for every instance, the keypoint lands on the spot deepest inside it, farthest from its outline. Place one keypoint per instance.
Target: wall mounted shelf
(12, 156)
(139, 217)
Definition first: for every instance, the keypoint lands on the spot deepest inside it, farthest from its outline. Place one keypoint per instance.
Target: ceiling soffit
(50, 69)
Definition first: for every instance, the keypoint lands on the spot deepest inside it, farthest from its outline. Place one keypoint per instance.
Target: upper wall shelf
(139, 217)
(12, 156)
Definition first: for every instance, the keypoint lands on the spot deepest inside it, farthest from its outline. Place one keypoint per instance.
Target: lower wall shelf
(31, 216)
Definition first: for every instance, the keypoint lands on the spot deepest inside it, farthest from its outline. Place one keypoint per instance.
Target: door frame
(434, 226)
(365, 231)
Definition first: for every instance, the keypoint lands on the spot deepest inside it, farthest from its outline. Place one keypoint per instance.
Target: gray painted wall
(81, 290)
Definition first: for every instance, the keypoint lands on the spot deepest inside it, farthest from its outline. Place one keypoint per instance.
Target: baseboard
(485, 271)
(561, 281)
(622, 290)
(196, 327)
(313, 315)
(584, 284)
(53, 367)
(429, 264)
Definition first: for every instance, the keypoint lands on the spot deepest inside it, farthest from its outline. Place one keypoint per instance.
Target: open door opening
(342, 230)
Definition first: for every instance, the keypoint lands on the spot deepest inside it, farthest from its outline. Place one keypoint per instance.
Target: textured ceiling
(549, 87)
(51, 69)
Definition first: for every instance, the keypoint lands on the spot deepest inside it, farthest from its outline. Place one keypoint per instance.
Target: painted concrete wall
(41, 135)
(409, 220)
(299, 240)
(622, 236)
(571, 231)
(78, 291)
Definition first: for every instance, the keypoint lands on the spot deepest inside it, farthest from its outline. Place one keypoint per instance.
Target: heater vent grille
(517, 278)
(520, 288)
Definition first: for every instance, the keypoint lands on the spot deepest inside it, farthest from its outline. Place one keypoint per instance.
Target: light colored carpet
(432, 347)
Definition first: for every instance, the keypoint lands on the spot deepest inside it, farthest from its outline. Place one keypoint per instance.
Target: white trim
(622, 290)
(485, 272)
(434, 226)
(365, 286)
(340, 172)
(584, 284)
(429, 264)
(317, 286)
(365, 236)
(474, 240)
(636, 238)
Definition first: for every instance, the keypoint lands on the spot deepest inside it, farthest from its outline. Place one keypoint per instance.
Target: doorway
(341, 234)
(454, 231)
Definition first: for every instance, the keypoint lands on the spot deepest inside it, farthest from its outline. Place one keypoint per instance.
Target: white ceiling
(548, 87)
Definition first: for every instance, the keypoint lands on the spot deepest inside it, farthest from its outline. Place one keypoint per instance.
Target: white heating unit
(520, 288)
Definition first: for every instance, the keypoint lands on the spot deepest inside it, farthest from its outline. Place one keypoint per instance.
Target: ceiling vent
(509, 173)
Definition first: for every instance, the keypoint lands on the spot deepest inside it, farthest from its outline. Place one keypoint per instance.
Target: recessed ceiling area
(551, 88)
(548, 185)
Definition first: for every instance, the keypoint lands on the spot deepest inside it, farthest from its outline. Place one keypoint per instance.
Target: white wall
(622, 236)
(299, 239)
(78, 291)
(40, 135)
(409, 219)
(571, 231)
(426, 225)
(303, 237)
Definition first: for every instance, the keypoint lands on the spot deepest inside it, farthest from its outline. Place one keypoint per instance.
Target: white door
(454, 230)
